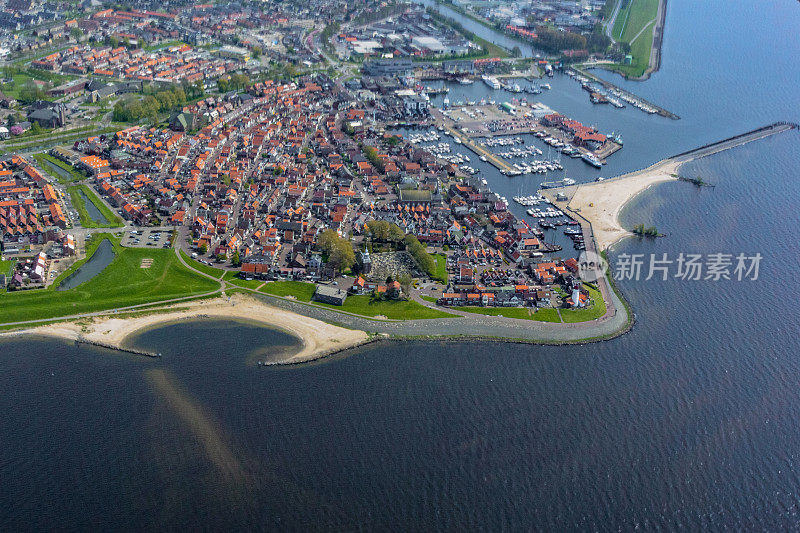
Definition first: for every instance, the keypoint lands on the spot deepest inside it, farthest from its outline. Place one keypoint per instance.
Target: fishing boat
(491, 82)
(590, 158)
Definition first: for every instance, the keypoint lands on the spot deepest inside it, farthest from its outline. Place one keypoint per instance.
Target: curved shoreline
(318, 339)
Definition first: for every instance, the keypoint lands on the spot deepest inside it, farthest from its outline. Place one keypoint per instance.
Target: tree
(256, 52)
(342, 257)
(326, 239)
(395, 233)
(36, 128)
(76, 33)
(405, 282)
(222, 257)
(203, 249)
(516, 52)
(236, 259)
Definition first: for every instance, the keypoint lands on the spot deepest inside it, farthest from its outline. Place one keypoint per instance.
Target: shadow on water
(101, 258)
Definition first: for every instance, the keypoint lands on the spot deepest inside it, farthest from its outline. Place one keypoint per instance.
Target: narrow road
(611, 21)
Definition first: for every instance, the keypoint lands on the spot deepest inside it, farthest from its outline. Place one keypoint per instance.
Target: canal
(101, 258)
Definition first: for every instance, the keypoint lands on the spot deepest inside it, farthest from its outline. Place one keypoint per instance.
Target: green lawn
(596, 310)
(430, 299)
(547, 314)
(508, 312)
(233, 278)
(440, 273)
(399, 310)
(197, 265)
(300, 290)
(122, 283)
(87, 221)
(5, 268)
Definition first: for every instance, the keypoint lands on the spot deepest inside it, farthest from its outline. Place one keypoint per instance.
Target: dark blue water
(687, 422)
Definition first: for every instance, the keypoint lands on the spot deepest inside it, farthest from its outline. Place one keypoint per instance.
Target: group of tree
(420, 255)
(327, 33)
(234, 82)
(339, 251)
(31, 92)
(133, 108)
(642, 231)
(384, 231)
(371, 153)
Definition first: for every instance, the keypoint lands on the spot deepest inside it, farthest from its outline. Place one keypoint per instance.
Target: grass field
(634, 25)
(211, 271)
(508, 312)
(430, 299)
(87, 221)
(300, 290)
(122, 283)
(440, 273)
(597, 309)
(399, 310)
(548, 314)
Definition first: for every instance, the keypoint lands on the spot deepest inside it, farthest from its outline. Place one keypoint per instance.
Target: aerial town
(273, 145)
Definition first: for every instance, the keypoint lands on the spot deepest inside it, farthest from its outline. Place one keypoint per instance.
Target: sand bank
(601, 202)
(318, 338)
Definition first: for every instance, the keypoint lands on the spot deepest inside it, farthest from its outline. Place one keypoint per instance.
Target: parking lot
(145, 238)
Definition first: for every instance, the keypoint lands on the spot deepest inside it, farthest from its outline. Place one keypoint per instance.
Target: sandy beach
(601, 202)
(318, 338)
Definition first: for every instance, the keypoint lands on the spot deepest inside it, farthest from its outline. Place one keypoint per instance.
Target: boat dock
(492, 158)
(608, 85)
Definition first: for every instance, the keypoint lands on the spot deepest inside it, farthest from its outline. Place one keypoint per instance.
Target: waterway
(101, 258)
(687, 422)
(94, 213)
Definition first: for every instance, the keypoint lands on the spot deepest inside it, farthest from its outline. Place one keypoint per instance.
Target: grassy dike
(123, 283)
(634, 25)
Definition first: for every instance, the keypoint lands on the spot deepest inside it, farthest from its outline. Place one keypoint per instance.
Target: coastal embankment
(318, 338)
(600, 203)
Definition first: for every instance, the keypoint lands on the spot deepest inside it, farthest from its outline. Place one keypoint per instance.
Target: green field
(596, 310)
(300, 290)
(508, 312)
(123, 283)
(394, 309)
(87, 221)
(634, 25)
(440, 273)
(547, 314)
(430, 299)
(211, 271)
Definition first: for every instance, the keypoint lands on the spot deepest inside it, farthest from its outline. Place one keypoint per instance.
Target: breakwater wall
(108, 346)
(736, 140)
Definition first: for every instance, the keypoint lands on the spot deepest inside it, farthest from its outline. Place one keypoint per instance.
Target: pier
(133, 351)
(608, 85)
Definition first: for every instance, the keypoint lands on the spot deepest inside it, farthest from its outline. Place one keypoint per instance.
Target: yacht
(466, 81)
